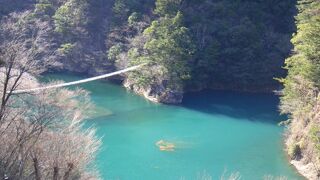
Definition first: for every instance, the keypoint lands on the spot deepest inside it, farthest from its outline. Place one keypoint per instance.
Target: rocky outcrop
(308, 170)
(156, 93)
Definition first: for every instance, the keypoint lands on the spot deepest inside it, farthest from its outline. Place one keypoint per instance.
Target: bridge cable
(79, 81)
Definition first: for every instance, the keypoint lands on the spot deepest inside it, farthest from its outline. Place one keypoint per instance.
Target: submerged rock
(165, 146)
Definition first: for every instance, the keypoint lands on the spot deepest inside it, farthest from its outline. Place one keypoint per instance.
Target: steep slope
(301, 93)
(235, 45)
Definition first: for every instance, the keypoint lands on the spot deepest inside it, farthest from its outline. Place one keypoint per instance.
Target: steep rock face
(156, 93)
(302, 145)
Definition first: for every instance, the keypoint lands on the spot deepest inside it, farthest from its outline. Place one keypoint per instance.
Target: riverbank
(214, 131)
(306, 170)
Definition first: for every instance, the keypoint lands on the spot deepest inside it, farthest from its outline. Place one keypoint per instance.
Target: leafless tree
(41, 134)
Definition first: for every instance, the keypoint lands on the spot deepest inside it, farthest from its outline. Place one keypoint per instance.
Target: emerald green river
(214, 133)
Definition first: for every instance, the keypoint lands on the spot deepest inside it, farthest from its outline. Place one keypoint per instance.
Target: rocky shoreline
(155, 93)
(306, 170)
(159, 94)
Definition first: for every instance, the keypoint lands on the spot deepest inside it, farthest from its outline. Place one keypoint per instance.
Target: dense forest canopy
(238, 44)
(235, 44)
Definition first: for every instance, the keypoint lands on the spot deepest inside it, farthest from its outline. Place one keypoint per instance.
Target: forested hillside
(301, 93)
(221, 44)
(188, 45)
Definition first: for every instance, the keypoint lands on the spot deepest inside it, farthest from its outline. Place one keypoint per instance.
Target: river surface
(214, 133)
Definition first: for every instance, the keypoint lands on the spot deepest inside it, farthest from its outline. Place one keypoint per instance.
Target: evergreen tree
(301, 88)
(70, 16)
(169, 47)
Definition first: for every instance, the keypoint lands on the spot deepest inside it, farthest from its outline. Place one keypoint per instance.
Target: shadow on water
(250, 106)
(245, 106)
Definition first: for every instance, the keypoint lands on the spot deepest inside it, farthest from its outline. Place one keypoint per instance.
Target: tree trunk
(67, 173)
(36, 169)
(55, 173)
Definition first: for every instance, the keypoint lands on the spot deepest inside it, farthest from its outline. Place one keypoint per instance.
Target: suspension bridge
(132, 68)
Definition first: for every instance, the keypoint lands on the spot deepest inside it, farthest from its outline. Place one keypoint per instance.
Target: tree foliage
(44, 8)
(71, 15)
(167, 7)
(305, 62)
(169, 47)
(301, 86)
(237, 44)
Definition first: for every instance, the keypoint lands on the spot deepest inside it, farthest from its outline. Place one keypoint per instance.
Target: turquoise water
(214, 132)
